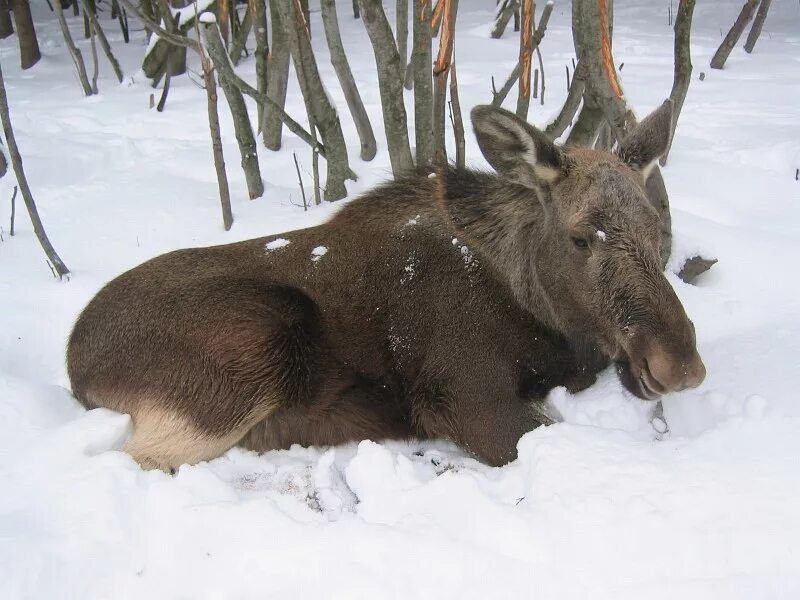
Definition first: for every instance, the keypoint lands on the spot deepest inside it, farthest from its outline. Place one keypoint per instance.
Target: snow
(601, 235)
(208, 18)
(595, 507)
(318, 252)
(276, 244)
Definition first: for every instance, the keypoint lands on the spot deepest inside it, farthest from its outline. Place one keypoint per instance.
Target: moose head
(578, 241)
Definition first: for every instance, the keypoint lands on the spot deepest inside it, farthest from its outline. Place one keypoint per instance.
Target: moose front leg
(485, 418)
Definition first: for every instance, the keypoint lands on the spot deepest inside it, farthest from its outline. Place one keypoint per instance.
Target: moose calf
(443, 305)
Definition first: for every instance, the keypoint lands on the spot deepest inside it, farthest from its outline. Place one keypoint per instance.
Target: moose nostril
(675, 373)
(672, 371)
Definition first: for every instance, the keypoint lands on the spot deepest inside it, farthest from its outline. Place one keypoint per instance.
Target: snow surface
(318, 252)
(594, 507)
(276, 244)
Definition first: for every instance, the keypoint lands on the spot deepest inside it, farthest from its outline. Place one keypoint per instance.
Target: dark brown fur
(445, 306)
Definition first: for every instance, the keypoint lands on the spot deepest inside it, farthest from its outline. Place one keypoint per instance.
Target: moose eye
(580, 243)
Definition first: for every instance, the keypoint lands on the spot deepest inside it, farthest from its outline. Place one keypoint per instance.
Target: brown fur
(445, 306)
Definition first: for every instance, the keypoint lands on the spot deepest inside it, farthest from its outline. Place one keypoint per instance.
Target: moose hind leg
(164, 439)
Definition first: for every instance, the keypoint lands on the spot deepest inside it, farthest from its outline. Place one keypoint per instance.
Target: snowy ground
(594, 507)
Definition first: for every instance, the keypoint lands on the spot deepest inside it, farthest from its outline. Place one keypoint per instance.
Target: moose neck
(506, 224)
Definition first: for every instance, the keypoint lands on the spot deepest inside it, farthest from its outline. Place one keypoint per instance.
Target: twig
(13, 209)
(541, 68)
(300, 179)
(455, 115)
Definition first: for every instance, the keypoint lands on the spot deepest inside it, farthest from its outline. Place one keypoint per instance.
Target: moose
(444, 304)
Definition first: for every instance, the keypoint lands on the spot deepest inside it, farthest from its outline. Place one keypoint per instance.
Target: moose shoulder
(433, 306)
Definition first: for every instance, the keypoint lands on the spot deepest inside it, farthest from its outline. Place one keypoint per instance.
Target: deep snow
(594, 507)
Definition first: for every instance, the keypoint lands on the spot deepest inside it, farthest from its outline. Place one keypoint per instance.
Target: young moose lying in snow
(434, 306)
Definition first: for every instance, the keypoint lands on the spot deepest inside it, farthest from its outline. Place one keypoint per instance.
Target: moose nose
(673, 372)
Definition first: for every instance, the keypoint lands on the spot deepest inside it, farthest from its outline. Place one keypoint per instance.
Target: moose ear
(649, 140)
(516, 149)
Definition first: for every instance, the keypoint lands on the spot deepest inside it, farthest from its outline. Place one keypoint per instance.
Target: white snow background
(594, 507)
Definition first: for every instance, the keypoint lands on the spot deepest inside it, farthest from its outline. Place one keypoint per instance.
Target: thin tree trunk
(421, 59)
(162, 102)
(176, 55)
(74, 51)
(683, 65)
(224, 18)
(16, 162)
(29, 53)
(603, 82)
(758, 24)
(87, 30)
(584, 131)
(216, 142)
(122, 17)
(458, 122)
(306, 15)
(402, 35)
(505, 10)
(6, 26)
(571, 104)
(390, 83)
(93, 46)
(240, 39)
(259, 10)
(101, 37)
(277, 79)
(441, 70)
(324, 113)
(148, 10)
(525, 59)
(724, 50)
(436, 17)
(241, 120)
(346, 80)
